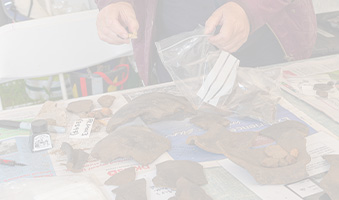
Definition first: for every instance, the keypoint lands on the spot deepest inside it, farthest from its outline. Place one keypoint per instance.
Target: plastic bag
(205, 74)
(254, 96)
(201, 71)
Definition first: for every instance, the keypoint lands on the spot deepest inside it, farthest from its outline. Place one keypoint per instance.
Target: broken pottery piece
(289, 135)
(54, 115)
(106, 112)
(76, 158)
(275, 151)
(208, 141)
(330, 182)
(150, 108)
(169, 172)
(122, 178)
(186, 190)
(135, 190)
(106, 101)
(80, 106)
(207, 121)
(97, 126)
(137, 142)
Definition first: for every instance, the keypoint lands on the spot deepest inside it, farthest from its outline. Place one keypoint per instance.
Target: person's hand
(115, 22)
(235, 27)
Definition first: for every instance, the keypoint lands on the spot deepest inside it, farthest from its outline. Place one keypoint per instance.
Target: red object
(83, 86)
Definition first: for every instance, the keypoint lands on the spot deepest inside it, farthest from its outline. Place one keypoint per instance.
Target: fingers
(113, 20)
(224, 37)
(234, 30)
(128, 17)
(212, 22)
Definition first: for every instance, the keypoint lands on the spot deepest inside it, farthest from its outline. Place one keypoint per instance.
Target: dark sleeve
(103, 3)
(259, 11)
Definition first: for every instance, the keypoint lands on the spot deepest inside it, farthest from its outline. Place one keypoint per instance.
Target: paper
(318, 144)
(82, 128)
(325, 100)
(220, 79)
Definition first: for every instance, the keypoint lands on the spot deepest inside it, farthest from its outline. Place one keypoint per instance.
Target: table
(222, 184)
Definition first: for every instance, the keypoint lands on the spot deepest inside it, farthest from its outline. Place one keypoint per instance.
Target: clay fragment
(267, 167)
(151, 108)
(76, 158)
(138, 142)
(275, 151)
(122, 178)
(135, 190)
(169, 172)
(53, 114)
(106, 101)
(208, 141)
(106, 112)
(330, 182)
(97, 126)
(186, 190)
(207, 121)
(81, 106)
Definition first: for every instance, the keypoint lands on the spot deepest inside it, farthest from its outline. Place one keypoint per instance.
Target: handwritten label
(82, 128)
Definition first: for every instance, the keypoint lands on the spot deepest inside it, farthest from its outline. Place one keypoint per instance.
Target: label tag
(82, 128)
(41, 142)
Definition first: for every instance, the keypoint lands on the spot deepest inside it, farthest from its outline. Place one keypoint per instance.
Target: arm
(103, 3)
(239, 18)
(259, 11)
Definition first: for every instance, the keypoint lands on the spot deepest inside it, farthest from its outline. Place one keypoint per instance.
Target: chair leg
(63, 86)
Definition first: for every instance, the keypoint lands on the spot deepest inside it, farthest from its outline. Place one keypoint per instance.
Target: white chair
(54, 45)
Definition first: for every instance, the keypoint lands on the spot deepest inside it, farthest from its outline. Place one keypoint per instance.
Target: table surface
(222, 184)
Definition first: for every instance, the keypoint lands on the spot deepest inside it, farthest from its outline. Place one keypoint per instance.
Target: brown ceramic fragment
(122, 178)
(135, 190)
(97, 126)
(76, 158)
(186, 190)
(150, 108)
(207, 121)
(169, 172)
(275, 151)
(106, 101)
(208, 141)
(106, 112)
(80, 106)
(330, 182)
(53, 114)
(138, 142)
(289, 135)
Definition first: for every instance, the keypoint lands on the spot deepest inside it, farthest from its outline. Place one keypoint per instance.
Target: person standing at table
(257, 32)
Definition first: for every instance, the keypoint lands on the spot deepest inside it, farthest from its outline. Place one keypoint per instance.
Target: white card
(82, 128)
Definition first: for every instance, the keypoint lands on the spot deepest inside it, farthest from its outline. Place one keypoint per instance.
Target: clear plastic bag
(202, 72)
(205, 74)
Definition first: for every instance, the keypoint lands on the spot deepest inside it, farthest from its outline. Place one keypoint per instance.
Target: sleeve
(103, 3)
(259, 11)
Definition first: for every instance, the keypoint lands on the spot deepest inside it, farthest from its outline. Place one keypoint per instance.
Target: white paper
(82, 128)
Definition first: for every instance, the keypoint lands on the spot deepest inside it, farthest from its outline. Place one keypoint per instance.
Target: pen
(10, 163)
(9, 124)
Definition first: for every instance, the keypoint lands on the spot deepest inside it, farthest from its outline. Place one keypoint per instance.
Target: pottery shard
(152, 107)
(81, 106)
(169, 172)
(275, 151)
(135, 190)
(122, 178)
(186, 190)
(106, 101)
(76, 158)
(137, 142)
